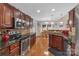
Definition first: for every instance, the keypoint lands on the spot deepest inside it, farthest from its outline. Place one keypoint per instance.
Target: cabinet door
(13, 46)
(34, 39)
(4, 52)
(27, 21)
(52, 41)
(7, 16)
(15, 49)
(31, 43)
(59, 43)
(22, 16)
(30, 22)
(17, 13)
(15, 52)
(56, 42)
(1, 14)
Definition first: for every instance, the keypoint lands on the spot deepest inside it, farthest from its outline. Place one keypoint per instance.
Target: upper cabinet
(22, 16)
(6, 16)
(30, 22)
(17, 13)
(27, 21)
(71, 17)
(1, 15)
(71, 21)
(10, 17)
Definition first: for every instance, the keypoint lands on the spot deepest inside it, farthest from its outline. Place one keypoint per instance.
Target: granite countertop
(58, 34)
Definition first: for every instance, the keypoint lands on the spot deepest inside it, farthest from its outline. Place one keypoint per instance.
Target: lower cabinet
(13, 46)
(56, 42)
(12, 50)
(4, 52)
(32, 40)
(15, 49)
(15, 52)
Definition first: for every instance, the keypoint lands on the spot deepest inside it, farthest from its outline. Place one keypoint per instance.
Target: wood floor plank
(40, 48)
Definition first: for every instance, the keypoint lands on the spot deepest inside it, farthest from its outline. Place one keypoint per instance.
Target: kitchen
(15, 31)
(20, 33)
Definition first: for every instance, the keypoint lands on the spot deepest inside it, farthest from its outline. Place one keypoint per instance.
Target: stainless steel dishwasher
(24, 46)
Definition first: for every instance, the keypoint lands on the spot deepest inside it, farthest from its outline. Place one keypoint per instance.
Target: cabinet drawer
(15, 52)
(4, 52)
(14, 46)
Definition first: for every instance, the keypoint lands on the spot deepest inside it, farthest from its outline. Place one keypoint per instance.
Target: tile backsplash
(22, 31)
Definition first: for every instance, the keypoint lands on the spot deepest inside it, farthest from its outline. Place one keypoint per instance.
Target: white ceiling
(45, 14)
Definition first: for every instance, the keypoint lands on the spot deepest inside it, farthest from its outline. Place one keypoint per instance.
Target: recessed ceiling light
(61, 22)
(52, 22)
(53, 10)
(38, 11)
(46, 22)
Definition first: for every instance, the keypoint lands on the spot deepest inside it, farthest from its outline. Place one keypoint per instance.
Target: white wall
(77, 30)
(33, 29)
(38, 28)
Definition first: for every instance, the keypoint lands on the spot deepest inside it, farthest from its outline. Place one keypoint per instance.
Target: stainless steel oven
(17, 23)
(24, 46)
(20, 23)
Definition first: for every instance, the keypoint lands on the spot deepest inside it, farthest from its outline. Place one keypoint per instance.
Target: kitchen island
(58, 44)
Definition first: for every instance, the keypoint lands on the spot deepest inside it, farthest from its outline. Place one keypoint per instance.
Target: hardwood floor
(40, 48)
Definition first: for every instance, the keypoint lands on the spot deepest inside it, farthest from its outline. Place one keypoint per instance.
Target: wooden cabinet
(17, 13)
(22, 16)
(14, 45)
(30, 22)
(12, 50)
(6, 16)
(27, 21)
(15, 49)
(15, 52)
(56, 42)
(8, 12)
(71, 21)
(4, 52)
(32, 40)
(1, 15)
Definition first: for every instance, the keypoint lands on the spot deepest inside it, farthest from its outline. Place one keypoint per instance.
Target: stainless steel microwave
(17, 23)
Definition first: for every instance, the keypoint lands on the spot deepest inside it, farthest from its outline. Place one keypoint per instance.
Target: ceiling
(45, 14)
